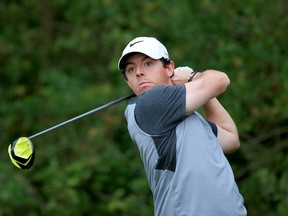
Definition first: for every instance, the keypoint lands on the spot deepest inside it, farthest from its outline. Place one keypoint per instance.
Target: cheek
(162, 78)
(131, 82)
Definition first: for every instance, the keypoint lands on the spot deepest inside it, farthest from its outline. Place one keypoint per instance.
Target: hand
(181, 75)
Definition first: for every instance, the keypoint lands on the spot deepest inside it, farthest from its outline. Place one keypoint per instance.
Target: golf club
(22, 151)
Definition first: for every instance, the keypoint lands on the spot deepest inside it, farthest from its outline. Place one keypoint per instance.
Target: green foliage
(58, 59)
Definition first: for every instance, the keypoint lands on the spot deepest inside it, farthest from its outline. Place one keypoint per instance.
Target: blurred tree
(58, 59)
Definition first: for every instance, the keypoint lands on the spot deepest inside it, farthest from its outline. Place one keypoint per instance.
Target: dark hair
(165, 62)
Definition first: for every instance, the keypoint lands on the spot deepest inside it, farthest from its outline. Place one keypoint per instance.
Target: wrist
(191, 75)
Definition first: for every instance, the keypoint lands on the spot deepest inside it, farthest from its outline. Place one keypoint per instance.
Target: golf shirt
(186, 168)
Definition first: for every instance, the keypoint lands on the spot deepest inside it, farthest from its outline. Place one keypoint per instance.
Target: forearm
(216, 113)
(227, 129)
(214, 80)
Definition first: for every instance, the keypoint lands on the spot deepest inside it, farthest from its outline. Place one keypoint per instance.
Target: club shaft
(84, 114)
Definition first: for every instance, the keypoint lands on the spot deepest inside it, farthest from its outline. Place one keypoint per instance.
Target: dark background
(58, 59)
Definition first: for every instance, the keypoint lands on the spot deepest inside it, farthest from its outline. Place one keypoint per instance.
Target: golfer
(182, 152)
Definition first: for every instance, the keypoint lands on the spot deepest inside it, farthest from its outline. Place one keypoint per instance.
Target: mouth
(142, 83)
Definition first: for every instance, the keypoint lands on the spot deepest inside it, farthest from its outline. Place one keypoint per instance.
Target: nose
(139, 71)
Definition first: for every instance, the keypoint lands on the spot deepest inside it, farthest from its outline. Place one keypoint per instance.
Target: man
(182, 153)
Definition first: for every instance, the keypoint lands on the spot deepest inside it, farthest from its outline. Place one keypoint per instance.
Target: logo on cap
(132, 44)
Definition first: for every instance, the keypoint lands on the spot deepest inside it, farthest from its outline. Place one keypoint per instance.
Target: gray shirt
(186, 168)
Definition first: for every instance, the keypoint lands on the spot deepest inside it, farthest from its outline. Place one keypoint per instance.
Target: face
(144, 73)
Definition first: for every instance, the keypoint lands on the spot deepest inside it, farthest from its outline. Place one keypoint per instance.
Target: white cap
(146, 45)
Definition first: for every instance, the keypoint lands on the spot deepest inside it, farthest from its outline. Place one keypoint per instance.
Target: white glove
(184, 68)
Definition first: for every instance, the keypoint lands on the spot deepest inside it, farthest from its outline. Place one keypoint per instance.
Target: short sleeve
(161, 109)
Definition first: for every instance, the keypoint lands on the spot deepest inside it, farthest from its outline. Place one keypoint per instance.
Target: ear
(170, 68)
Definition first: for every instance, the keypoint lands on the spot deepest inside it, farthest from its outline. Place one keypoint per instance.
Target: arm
(202, 92)
(227, 130)
(204, 86)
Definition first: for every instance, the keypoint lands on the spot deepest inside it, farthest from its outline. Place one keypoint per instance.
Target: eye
(148, 63)
(129, 69)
